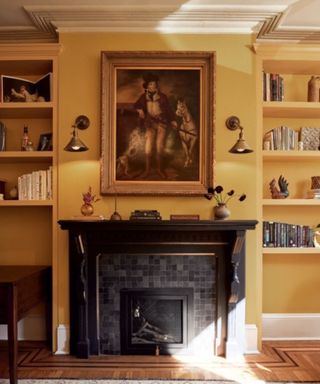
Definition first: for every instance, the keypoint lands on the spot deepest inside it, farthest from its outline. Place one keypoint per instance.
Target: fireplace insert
(156, 320)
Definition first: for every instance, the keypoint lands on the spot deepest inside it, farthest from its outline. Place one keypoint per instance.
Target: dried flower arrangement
(89, 198)
(220, 197)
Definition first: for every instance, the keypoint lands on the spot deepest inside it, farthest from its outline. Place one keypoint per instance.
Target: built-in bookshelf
(28, 222)
(281, 118)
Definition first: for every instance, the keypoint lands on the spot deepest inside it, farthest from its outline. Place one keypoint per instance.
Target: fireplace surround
(222, 240)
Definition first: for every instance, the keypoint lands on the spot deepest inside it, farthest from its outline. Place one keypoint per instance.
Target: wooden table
(21, 288)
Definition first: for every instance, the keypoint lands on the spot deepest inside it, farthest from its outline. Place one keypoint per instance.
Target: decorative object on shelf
(313, 88)
(25, 138)
(314, 192)
(241, 146)
(146, 214)
(88, 200)
(221, 211)
(16, 89)
(300, 146)
(3, 134)
(282, 192)
(13, 193)
(45, 142)
(29, 146)
(179, 160)
(116, 215)
(310, 136)
(2, 186)
(75, 144)
(316, 236)
(315, 182)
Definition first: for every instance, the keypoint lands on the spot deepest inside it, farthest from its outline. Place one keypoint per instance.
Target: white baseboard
(251, 339)
(291, 326)
(32, 327)
(63, 340)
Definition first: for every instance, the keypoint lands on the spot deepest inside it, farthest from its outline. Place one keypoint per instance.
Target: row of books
(282, 138)
(16, 89)
(36, 185)
(277, 234)
(273, 87)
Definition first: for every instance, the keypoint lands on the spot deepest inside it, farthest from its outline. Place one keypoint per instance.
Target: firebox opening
(156, 320)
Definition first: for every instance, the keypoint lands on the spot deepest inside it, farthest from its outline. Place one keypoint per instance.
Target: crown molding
(264, 20)
(49, 20)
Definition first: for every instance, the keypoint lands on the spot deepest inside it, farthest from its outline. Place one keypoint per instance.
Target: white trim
(291, 326)
(32, 327)
(251, 339)
(63, 340)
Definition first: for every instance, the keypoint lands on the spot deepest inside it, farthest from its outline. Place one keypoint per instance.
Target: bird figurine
(283, 186)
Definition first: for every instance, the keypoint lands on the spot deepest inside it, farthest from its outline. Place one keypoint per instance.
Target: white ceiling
(42, 20)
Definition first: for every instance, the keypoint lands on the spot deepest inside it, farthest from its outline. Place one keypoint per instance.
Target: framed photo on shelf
(16, 89)
(157, 114)
(45, 142)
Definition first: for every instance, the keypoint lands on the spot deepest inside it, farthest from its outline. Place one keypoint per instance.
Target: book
(184, 217)
(145, 215)
(16, 89)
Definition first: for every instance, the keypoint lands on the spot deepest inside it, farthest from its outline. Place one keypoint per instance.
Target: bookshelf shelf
(290, 202)
(290, 251)
(291, 108)
(26, 203)
(27, 110)
(290, 155)
(30, 157)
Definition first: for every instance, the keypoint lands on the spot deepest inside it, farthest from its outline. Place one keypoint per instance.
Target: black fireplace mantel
(225, 240)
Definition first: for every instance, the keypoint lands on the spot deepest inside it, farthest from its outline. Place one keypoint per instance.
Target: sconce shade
(75, 144)
(241, 145)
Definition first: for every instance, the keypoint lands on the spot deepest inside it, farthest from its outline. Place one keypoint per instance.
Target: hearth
(156, 320)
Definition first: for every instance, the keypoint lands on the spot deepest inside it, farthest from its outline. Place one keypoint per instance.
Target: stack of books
(145, 215)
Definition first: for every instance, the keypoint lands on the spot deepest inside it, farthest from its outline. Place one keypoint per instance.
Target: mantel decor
(157, 122)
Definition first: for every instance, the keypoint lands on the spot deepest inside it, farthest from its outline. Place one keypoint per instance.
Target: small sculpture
(283, 185)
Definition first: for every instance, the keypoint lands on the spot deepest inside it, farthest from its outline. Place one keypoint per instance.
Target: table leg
(13, 333)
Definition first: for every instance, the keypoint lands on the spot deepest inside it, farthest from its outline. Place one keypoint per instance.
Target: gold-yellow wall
(79, 93)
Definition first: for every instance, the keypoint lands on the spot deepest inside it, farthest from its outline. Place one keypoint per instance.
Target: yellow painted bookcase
(28, 223)
(290, 273)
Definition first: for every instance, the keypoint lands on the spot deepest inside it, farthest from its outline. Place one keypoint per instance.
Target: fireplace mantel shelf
(225, 240)
(215, 225)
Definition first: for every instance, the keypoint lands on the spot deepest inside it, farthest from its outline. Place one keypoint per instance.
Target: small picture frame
(45, 142)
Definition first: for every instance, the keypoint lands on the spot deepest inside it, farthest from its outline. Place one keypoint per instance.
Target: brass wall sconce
(233, 123)
(75, 144)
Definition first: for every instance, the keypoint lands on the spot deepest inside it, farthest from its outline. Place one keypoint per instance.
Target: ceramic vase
(87, 209)
(221, 212)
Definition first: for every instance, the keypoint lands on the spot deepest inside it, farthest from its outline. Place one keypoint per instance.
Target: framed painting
(157, 119)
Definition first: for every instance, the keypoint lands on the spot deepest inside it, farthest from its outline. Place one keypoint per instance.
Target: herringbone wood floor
(279, 361)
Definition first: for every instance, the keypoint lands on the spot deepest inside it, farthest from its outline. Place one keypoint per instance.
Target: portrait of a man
(157, 124)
